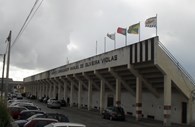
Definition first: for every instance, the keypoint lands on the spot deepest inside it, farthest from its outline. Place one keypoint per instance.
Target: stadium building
(144, 77)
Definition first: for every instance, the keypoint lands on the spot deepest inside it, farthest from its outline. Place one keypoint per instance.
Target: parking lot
(94, 119)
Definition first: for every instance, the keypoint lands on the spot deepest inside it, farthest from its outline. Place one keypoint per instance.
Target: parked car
(15, 111)
(39, 122)
(53, 103)
(63, 103)
(16, 103)
(13, 102)
(19, 96)
(57, 116)
(41, 99)
(33, 97)
(21, 123)
(114, 113)
(29, 106)
(45, 99)
(28, 113)
(65, 125)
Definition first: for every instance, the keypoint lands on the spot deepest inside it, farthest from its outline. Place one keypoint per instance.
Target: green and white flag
(134, 29)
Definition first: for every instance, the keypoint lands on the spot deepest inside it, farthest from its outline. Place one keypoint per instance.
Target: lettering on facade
(104, 60)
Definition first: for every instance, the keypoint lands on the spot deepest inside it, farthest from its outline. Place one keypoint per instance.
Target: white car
(60, 124)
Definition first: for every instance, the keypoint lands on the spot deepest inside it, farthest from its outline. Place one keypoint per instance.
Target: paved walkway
(144, 122)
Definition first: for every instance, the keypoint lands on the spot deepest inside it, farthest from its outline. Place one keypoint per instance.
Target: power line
(32, 15)
(27, 21)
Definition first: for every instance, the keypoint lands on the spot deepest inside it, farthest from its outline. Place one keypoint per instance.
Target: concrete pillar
(167, 101)
(79, 95)
(40, 90)
(46, 93)
(138, 98)
(89, 94)
(65, 91)
(71, 93)
(54, 91)
(43, 89)
(50, 90)
(102, 93)
(31, 91)
(190, 110)
(59, 91)
(34, 89)
(37, 90)
(118, 90)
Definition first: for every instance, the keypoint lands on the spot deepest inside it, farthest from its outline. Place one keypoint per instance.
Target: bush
(5, 118)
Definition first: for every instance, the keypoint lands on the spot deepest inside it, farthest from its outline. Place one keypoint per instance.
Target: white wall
(150, 104)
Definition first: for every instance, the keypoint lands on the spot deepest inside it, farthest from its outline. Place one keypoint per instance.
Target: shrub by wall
(5, 118)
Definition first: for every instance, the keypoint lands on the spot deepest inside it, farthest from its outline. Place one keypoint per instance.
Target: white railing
(180, 67)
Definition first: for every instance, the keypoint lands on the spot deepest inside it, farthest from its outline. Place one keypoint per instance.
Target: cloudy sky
(69, 29)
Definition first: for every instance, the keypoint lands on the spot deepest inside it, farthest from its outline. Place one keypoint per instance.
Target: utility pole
(8, 62)
(2, 80)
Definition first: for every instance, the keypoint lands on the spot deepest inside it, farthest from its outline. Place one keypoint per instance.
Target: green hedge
(5, 118)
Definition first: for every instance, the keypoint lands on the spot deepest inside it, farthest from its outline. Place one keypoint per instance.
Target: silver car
(65, 125)
(53, 103)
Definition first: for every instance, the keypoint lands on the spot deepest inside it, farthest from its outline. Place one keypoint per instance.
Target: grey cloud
(58, 23)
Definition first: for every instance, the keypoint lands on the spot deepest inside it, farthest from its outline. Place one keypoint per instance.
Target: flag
(151, 22)
(134, 29)
(122, 31)
(111, 36)
(9, 37)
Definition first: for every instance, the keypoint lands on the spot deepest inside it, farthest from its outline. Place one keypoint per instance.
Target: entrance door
(110, 101)
(184, 112)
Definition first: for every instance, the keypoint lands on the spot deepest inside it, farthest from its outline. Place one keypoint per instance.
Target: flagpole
(114, 41)
(139, 31)
(96, 48)
(126, 37)
(156, 24)
(104, 44)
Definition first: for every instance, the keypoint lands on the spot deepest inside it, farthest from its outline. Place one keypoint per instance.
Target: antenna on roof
(67, 61)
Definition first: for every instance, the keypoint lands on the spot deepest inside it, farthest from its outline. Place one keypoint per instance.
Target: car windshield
(31, 107)
(118, 109)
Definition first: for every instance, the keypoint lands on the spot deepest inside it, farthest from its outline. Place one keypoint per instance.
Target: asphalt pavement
(94, 119)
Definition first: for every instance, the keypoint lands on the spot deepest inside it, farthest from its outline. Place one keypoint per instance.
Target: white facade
(147, 81)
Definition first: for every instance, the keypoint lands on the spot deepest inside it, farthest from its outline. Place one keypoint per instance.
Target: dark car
(15, 111)
(53, 103)
(45, 99)
(28, 113)
(29, 106)
(63, 103)
(41, 99)
(114, 113)
(39, 122)
(57, 116)
(19, 96)
(33, 97)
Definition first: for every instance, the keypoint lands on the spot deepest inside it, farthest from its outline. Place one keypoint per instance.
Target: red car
(15, 111)
(39, 122)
